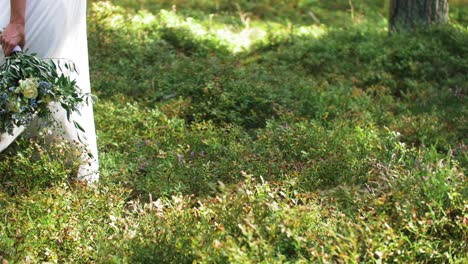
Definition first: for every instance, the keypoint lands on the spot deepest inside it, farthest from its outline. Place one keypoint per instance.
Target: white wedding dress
(57, 29)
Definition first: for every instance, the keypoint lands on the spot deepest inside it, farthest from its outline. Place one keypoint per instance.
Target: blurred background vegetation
(255, 131)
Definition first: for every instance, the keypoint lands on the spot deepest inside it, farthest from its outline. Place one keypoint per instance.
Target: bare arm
(14, 34)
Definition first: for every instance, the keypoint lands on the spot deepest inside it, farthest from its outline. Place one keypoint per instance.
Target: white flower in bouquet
(29, 87)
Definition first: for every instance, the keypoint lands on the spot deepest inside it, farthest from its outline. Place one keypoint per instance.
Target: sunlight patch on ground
(144, 17)
(314, 31)
(236, 38)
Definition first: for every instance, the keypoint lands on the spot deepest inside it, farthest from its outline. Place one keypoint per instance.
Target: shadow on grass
(182, 93)
(281, 73)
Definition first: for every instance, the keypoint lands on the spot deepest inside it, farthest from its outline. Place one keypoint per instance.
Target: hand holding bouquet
(28, 84)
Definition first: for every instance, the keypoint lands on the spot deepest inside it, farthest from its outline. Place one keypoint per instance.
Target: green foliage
(252, 136)
(28, 166)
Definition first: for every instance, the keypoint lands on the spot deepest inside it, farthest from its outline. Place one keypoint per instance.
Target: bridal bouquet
(28, 84)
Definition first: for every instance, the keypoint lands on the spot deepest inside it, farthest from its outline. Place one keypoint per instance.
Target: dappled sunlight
(311, 31)
(114, 15)
(171, 19)
(235, 38)
(144, 18)
(251, 132)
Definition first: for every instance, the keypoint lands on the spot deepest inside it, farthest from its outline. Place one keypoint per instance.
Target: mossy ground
(245, 133)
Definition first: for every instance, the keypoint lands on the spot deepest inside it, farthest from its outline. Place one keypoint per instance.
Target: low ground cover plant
(257, 135)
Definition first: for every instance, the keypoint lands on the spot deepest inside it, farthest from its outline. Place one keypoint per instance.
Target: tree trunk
(410, 14)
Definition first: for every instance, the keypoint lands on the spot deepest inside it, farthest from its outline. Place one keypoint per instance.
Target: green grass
(251, 134)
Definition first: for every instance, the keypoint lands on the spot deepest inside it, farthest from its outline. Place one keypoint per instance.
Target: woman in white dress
(54, 29)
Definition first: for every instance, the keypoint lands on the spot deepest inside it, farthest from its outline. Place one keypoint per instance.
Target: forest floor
(259, 132)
